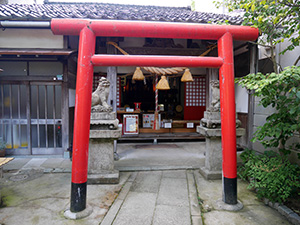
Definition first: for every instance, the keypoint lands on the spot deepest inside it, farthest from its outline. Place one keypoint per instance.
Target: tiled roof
(110, 11)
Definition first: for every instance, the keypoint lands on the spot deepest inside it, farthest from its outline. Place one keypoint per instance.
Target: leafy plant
(2, 144)
(277, 20)
(270, 174)
(282, 92)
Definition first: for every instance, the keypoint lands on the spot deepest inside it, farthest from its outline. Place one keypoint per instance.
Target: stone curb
(154, 168)
(195, 209)
(291, 216)
(56, 170)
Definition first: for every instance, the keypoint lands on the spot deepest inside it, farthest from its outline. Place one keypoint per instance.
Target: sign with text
(130, 124)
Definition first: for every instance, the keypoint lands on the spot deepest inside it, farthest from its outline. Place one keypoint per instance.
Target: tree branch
(297, 60)
(255, 43)
(289, 4)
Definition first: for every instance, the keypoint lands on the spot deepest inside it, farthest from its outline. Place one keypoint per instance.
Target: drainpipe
(25, 24)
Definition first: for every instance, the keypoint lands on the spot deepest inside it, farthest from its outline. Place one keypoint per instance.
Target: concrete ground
(162, 156)
(37, 191)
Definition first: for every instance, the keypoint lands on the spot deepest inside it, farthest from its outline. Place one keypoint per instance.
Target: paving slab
(180, 174)
(255, 212)
(34, 163)
(197, 220)
(173, 192)
(171, 215)
(16, 164)
(137, 209)
(254, 215)
(52, 163)
(147, 182)
(148, 197)
(43, 199)
(66, 164)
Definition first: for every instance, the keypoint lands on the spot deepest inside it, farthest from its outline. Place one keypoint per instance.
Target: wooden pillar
(112, 78)
(28, 115)
(84, 86)
(65, 108)
(228, 119)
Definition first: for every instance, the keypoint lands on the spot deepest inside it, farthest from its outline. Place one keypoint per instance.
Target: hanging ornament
(163, 84)
(138, 74)
(187, 76)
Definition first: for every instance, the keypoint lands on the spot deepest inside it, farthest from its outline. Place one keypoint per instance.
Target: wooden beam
(29, 78)
(4, 51)
(65, 109)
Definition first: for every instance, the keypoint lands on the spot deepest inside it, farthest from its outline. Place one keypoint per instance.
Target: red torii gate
(89, 29)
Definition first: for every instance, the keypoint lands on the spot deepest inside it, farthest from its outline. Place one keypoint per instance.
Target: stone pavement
(37, 191)
(156, 197)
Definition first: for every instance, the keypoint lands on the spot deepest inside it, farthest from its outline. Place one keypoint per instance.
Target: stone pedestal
(210, 127)
(101, 149)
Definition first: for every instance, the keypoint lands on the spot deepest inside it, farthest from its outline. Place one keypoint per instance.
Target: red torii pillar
(89, 29)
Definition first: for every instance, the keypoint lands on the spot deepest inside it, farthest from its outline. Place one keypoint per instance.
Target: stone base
(78, 215)
(106, 134)
(210, 175)
(105, 177)
(223, 206)
(103, 116)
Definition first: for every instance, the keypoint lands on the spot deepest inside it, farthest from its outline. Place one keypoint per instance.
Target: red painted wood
(83, 100)
(159, 61)
(88, 29)
(227, 100)
(121, 28)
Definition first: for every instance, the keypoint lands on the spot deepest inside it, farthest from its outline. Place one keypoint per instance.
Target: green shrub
(270, 174)
(282, 92)
(2, 144)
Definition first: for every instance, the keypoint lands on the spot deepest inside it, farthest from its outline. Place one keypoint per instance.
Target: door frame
(37, 80)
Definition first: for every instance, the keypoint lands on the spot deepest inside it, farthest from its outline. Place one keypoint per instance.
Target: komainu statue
(100, 96)
(215, 93)
(212, 116)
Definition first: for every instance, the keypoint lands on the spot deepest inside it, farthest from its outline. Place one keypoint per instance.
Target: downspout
(25, 24)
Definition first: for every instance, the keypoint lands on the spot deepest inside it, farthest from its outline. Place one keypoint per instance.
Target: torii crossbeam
(88, 30)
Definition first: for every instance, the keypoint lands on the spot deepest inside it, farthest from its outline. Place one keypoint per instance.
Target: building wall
(30, 38)
(261, 113)
(241, 98)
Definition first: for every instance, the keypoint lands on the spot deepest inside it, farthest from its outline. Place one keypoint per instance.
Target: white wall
(241, 99)
(289, 57)
(30, 38)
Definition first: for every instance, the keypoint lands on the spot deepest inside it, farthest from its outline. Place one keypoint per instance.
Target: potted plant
(2, 147)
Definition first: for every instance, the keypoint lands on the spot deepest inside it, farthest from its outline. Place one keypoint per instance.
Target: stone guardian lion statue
(215, 93)
(100, 96)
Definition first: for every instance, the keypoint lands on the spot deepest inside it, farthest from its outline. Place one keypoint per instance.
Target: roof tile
(110, 11)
